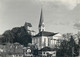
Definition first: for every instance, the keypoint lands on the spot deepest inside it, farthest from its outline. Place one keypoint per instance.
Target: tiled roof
(47, 49)
(45, 33)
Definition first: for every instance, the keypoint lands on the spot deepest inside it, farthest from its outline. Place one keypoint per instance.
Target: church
(45, 38)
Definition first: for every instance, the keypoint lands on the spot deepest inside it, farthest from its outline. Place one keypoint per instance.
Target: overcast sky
(59, 15)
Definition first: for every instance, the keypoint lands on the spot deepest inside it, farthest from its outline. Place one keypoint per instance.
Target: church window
(40, 42)
(44, 41)
(48, 41)
(42, 29)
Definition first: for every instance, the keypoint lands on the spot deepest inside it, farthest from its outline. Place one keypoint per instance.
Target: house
(2, 49)
(27, 52)
(47, 51)
(14, 50)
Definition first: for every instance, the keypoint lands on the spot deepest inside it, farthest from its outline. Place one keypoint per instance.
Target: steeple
(41, 23)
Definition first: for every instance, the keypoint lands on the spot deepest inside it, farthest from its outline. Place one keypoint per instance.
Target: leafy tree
(63, 48)
(74, 47)
(8, 36)
(68, 48)
(17, 34)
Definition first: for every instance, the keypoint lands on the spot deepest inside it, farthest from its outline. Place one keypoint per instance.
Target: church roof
(45, 33)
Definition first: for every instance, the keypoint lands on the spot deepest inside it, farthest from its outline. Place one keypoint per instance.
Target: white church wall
(44, 41)
(36, 41)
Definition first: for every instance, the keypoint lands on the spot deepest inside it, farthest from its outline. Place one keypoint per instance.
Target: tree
(79, 47)
(63, 48)
(17, 34)
(68, 48)
(8, 36)
(74, 47)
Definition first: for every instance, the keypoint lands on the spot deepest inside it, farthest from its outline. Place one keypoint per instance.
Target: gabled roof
(45, 33)
(47, 49)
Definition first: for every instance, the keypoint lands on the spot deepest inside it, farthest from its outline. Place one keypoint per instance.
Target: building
(44, 38)
(47, 51)
(13, 50)
(27, 52)
(16, 50)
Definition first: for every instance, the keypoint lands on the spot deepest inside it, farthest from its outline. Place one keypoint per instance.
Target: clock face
(28, 50)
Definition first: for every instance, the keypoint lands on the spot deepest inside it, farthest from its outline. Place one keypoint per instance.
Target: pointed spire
(41, 23)
(41, 18)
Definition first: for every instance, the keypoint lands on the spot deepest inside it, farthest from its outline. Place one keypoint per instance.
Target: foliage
(17, 34)
(68, 48)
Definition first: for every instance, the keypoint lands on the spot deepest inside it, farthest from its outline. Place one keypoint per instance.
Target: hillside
(17, 34)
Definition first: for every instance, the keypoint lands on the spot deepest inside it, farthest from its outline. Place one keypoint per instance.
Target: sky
(59, 15)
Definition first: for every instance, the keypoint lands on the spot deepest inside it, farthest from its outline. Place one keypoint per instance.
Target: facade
(16, 50)
(47, 51)
(11, 50)
(27, 52)
(44, 38)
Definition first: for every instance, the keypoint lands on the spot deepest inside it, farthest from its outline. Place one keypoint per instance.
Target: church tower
(41, 23)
